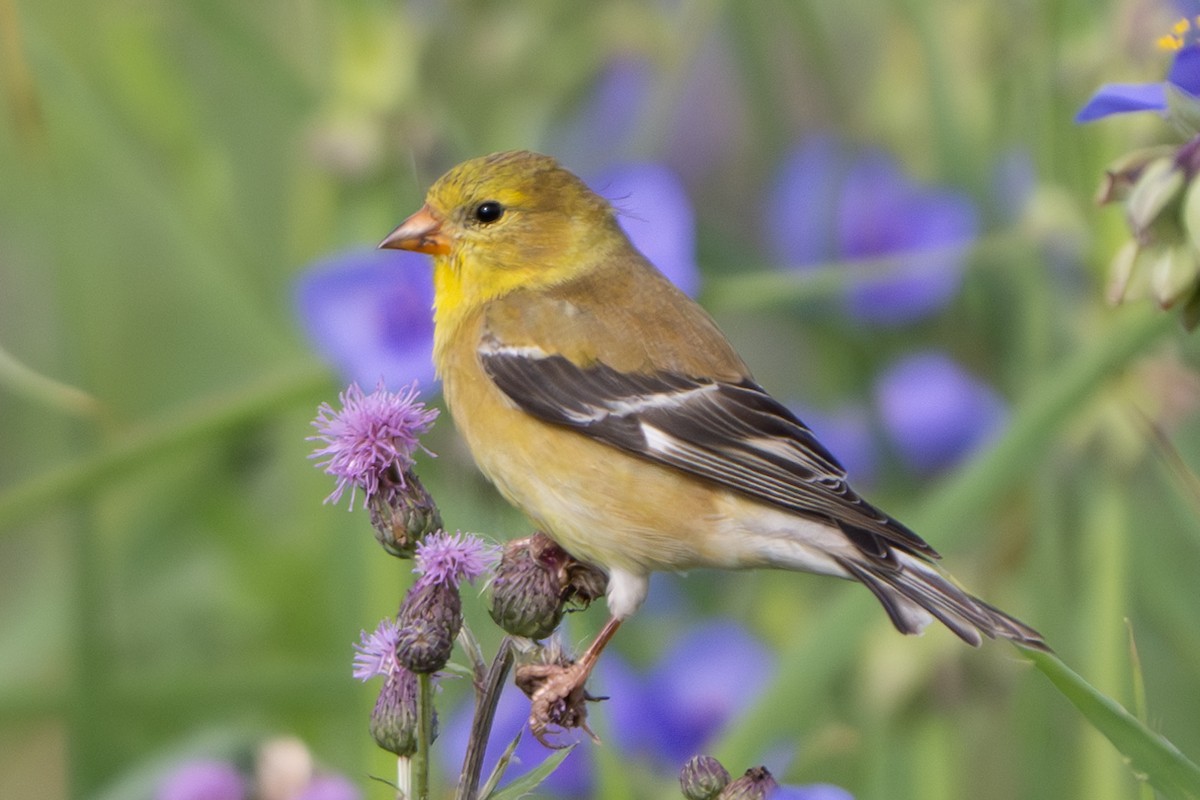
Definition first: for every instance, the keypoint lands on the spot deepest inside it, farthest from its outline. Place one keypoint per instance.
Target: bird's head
(508, 220)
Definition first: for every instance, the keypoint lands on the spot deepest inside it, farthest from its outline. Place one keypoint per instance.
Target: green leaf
(1150, 755)
(532, 779)
(501, 765)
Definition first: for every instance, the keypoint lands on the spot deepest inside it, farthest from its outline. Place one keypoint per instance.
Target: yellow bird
(609, 407)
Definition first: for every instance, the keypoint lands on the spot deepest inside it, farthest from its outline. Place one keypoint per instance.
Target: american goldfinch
(609, 407)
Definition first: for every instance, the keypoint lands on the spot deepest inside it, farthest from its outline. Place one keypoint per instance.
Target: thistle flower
(369, 442)
(375, 654)
(394, 719)
(431, 614)
(430, 618)
(534, 582)
(449, 559)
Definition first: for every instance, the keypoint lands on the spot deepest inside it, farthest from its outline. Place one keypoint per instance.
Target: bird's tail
(913, 592)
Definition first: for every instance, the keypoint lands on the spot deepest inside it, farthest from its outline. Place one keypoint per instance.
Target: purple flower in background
(846, 432)
(1124, 98)
(369, 313)
(934, 412)
(203, 780)
(448, 559)
(813, 791)
(369, 443)
(694, 127)
(830, 206)
(711, 673)
(330, 787)
(654, 211)
(607, 120)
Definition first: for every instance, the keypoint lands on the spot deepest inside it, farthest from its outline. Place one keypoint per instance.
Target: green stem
(420, 761)
(970, 491)
(139, 448)
(47, 391)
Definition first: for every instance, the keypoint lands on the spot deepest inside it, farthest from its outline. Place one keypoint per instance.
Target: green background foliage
(170, 583)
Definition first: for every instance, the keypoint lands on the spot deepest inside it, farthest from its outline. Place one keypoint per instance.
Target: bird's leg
(557, 691)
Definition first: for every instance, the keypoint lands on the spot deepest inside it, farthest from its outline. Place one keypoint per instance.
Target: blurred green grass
(167, 572)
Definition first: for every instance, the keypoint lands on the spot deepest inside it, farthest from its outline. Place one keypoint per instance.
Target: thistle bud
(535, 581)
(703, 778)
(756, 784)
(394, 720)
(526, 592)
(429, 619)
(403, 516)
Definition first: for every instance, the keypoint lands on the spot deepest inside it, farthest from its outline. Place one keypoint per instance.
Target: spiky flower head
(394, 719)
(703, 778)
(369, 442)
(449, 558)
(375, 654)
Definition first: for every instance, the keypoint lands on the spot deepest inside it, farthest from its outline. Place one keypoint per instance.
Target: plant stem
(420, 761)
(403, 778)
(487, 696)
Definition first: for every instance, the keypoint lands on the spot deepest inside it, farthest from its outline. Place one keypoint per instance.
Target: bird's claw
(558, 699)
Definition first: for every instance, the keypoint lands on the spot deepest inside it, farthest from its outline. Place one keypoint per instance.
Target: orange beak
(422, 232)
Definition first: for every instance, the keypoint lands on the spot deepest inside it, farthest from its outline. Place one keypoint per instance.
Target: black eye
(488, 211)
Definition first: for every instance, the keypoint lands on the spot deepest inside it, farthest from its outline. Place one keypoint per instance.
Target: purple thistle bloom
(654, 211)
(828, 206)
(369, 443)
(375, 654)
(368, 312)
(1124, 98)
(936, 413)
(447, 559)
(203, 780)
(330, 787)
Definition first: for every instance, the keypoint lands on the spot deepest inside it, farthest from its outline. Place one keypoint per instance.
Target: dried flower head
(369, 443)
